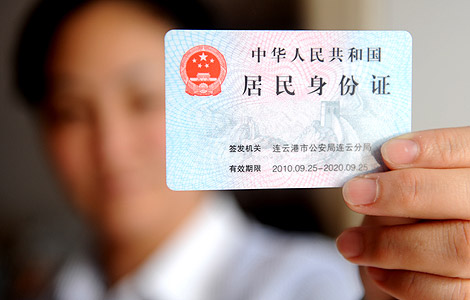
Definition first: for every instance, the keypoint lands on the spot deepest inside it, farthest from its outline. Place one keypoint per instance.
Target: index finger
(437, 148)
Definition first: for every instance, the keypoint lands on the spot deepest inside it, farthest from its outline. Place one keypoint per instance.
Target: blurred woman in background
(94, 73)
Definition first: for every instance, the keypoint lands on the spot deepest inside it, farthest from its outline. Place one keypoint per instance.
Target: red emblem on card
(203, 69)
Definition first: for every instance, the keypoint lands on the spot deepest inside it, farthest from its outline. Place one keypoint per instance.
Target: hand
(423, 251)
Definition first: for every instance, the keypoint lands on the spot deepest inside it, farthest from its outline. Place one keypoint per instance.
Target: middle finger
(412, 193)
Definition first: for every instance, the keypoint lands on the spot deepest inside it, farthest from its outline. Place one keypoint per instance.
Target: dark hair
(46, 17)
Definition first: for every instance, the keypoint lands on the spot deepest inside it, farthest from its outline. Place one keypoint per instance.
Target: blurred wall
(440, 31)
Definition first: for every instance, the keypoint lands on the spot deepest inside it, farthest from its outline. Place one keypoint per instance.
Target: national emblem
(203, 69)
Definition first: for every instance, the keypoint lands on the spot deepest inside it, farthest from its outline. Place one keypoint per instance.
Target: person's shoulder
(271, 243)
(310, 253)
(278, 265)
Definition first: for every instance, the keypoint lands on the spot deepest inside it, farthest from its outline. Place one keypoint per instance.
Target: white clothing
(220, 254)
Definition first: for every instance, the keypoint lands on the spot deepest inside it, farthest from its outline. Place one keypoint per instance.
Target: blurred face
(105, 118)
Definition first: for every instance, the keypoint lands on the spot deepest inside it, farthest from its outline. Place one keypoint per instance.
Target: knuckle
(461, 290)
(447, 147)
(409, 284)
(460, 244)
(383, 246)
(411, 287)
(409, 189)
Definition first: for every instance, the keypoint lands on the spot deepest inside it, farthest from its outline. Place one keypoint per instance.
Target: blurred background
(37, 226)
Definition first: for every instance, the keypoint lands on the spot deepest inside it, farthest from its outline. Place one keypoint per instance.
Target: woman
(94, 71)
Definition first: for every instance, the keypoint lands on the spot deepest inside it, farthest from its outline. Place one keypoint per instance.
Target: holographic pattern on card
(282, 109)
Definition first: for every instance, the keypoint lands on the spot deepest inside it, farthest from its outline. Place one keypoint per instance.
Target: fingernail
(400, 151)
(360, 191)
(378, 274)
(350, 243)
